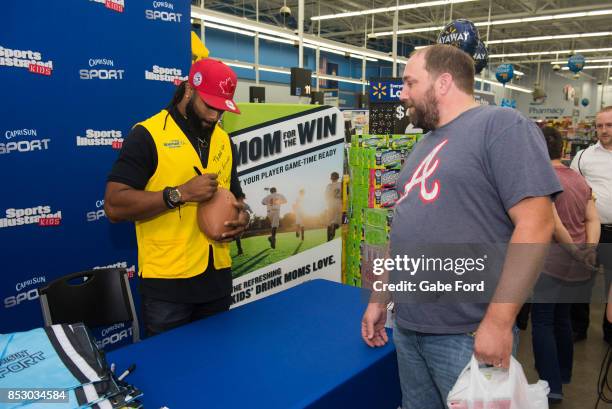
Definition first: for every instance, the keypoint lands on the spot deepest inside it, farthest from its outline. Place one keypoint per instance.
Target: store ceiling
(352, 29)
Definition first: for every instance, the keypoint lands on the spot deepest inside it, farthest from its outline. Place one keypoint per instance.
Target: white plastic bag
(496, 388)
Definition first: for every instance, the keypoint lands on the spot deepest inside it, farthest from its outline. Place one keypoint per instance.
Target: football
(214, 213)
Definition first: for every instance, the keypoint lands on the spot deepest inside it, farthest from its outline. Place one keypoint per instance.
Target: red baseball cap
(215, 82)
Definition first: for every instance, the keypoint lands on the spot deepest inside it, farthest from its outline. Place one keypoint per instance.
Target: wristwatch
(172, 197)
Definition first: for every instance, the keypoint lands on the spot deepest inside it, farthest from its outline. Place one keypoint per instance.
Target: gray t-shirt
(458, 185)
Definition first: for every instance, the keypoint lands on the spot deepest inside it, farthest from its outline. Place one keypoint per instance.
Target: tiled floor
(588, 356)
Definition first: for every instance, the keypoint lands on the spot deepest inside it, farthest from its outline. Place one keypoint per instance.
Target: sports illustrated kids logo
(26, 59)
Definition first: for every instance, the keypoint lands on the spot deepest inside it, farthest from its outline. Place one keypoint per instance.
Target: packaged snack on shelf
(379, 218)
(374, 141)
(375, 236)
(382, 198)
(380, 178)
(384, 159)
(403, 141)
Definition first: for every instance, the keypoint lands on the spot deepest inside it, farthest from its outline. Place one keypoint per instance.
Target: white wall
(275, 93)
(555, 104)
(607, 95)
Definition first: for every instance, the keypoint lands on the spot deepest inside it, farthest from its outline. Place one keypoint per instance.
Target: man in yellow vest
(168, 164)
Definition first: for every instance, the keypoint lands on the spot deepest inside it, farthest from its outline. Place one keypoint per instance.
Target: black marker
(127, 372)
(197, 170)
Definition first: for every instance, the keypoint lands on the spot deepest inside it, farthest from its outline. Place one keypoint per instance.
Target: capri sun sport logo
(14, 141)
(99, 213)
(25, 291)
(163, 11)
(101, 69)
(27, 59)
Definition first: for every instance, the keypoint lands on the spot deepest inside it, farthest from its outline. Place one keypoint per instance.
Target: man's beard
(425, 114)
(197, 124)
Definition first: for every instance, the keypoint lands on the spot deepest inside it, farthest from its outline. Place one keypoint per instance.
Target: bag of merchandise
(496, 388)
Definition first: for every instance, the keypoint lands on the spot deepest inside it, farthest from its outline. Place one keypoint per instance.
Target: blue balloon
(481, 57)
(462, 34)
(576, 63)
(585, 102)
(504, 73)
(508, 103)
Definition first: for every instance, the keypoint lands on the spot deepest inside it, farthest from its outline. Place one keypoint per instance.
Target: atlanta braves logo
(425, 169)
(227, 86)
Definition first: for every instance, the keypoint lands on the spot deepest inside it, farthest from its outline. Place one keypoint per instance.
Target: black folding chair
(96, 298)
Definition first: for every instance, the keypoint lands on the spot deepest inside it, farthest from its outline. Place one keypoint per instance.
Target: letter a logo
(424, 171)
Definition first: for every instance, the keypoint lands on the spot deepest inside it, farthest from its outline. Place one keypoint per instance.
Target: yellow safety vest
(171, 245)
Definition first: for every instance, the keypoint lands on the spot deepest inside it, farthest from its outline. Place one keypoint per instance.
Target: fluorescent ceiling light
(230, 29)
(208, 24)
(590, 67)
(517, 88)
(245, 24)
(389, 9)
(509, 86)
(588, 60)
(340, 79)
(546, 38)
(561, 16)
(362, 57)
(355, 50)
(343, 53)
(276, 70)
(584, 50)
(329, 50)
(276, 39)
(238, 64)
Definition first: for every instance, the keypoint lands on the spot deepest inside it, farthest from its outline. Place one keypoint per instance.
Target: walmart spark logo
(380, 90)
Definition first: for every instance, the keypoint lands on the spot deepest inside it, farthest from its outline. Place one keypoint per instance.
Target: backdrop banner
(286, 157)
(76, 76)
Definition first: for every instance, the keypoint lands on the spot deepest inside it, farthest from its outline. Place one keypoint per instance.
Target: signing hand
(199, 188)
(373, 325)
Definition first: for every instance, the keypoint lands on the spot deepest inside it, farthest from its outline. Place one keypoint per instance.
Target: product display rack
(374, 167)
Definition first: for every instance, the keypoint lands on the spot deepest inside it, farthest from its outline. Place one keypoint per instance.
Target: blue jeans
(553, 348)
(429, 365)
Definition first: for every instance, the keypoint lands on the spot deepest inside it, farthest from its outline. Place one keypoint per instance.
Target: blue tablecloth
(295, 349)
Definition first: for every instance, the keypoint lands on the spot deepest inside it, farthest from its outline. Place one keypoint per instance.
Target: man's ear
(444, 83)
